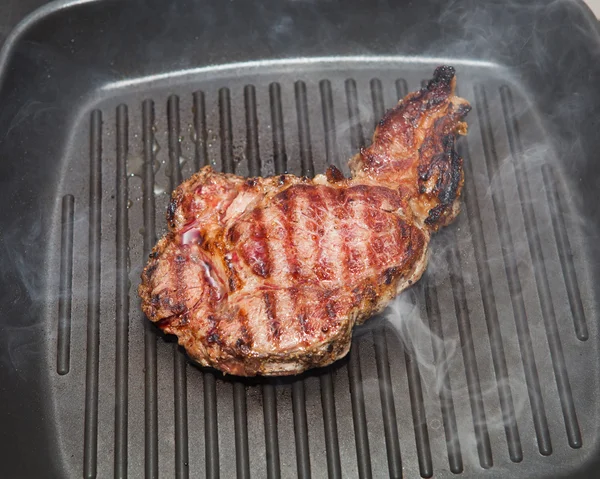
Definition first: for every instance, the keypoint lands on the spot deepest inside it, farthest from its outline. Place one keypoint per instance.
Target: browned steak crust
(269, 275)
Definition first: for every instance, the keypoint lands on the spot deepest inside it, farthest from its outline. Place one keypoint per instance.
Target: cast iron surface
(108, 105)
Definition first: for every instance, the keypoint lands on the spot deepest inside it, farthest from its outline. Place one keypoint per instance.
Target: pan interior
(478, 367)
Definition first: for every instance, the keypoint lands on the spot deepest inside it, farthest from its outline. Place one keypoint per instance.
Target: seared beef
(269, 275)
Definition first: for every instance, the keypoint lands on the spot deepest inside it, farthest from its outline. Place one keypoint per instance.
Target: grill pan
(488, 367)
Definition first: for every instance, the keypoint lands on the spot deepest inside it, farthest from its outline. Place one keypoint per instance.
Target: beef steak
(269, 275)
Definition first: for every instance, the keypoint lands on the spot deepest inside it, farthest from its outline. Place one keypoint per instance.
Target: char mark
(232, 276)
(284, 200)
(389, 274)
(150, 269)
(445, 166)
(178, 265)
(303, 324)
(435, 215)
(440, 86)
(406, 236)
(245, 342)
(271, 310)
(331, 314)
(212, 336)
(442, 76)
(233, 235)
(260, 256)
(334, 174)
(370, 292)
(462, 110)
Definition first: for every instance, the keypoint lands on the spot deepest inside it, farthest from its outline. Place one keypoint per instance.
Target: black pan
(489, 367)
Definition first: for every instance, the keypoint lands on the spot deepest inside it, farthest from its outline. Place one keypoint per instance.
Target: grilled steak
(269, 275)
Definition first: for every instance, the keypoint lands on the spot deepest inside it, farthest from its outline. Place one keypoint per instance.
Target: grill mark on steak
(330, 310)
(333, 174)
(439, 162)
(285, 205)
(180, 261)
(333, 225)
(390, 274)
(319, 224)
(150, 269)
(271, 310)
(259, 259)
(233, 235)
(303, 325)
(245, 341)
(312, 310)
(403, 237)
(348, 257)
(212, 335)
(283, 260)
(231, 274)
(413, 243)
(290, 329)
(345, 253)
(302, 235)
(297, 315)
(363, 215)
(370, 291)
(372, 257)
(274, 272)
(381, 246)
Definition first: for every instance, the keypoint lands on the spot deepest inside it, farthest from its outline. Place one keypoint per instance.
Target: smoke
(548, 88)
(33, 283)
(404, 313)
(523, 184)
(441, 363)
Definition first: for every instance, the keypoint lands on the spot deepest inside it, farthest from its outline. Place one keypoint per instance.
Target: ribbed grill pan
(482, 369)
(491, 389)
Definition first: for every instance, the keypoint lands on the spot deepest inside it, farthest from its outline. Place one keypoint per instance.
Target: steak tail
(413, 150)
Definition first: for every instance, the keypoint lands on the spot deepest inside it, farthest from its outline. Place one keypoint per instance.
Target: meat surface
(268, 276)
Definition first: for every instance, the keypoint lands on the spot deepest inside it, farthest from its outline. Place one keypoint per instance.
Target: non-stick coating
(105, 104)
